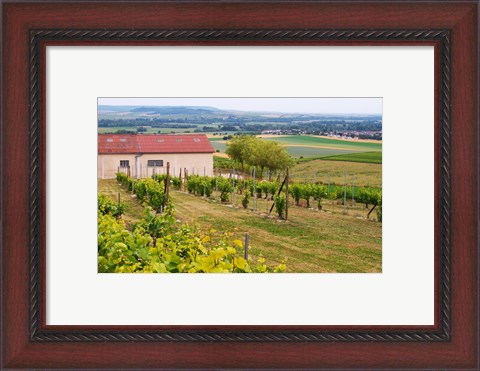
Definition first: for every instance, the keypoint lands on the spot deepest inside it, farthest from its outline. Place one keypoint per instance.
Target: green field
(310, 146)
(312, 241)
(220, 145)
(315, 152)
(363, 174)
(365, 157)
(308, 140)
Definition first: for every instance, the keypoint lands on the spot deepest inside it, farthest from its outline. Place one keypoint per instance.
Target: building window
(155, 163)
(124, 163)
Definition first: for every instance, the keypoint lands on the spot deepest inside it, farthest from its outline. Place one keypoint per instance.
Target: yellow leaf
(240, 262)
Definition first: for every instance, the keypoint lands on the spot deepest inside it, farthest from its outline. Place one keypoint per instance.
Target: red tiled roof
(145, 143)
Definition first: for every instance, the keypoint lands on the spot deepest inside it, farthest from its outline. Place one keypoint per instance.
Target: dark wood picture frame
(27, 342)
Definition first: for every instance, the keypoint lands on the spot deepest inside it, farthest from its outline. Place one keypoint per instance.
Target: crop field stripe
(365, 157)
(332, 143)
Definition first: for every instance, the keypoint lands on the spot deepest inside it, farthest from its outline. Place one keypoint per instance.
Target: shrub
(272, 189)
(246, 200)
(296, 192)
(176, 182)
(109, 206)
(319, 192)
(225, 187)
(280, 205)
(306, 192)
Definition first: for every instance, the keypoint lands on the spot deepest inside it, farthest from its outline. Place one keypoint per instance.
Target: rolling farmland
(302, 146)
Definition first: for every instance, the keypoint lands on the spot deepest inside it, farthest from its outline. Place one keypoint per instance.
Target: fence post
(234, 193)
(344, 192)
(216, 184)
(118, 198)
(353, 190)
(247, 240)
(167, 183)
(204, 181)
(180, 177)
(286, 196)
(254, 188)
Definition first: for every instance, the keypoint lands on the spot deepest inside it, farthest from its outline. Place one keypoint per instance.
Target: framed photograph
(328, 151)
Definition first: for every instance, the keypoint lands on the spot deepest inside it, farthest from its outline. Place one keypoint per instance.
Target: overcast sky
(283, 105)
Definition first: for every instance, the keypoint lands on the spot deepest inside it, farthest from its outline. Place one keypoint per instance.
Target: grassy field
(313, 241)
(365, 157)
(302, 152)
(294, 151)
(301, 146)
(365, 174)
(308, 140)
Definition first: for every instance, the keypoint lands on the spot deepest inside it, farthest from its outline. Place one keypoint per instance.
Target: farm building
(143, 155)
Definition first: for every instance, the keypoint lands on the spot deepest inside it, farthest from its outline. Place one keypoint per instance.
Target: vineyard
(250, 190)
(202, 225)
(158, 243)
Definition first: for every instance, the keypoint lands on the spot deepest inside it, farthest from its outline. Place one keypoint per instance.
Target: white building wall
(195, 163)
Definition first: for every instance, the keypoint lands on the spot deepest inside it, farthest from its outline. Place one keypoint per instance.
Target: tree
(277, 158)
(239, 149)
(259, 155)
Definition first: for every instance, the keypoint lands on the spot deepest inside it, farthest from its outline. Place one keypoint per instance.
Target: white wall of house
(195, 163)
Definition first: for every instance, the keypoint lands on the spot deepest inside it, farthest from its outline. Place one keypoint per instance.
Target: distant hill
(163, 110)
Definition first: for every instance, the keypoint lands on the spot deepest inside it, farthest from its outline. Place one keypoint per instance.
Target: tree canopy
(250, 150)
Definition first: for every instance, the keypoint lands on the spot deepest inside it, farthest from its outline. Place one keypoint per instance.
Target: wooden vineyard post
(247, 240)
(204, 180)
(278, 193)
(234, 192)
(167, 183)
(254, 188)
(353, 190)
(368, 215)
(216, 184)
(118, 198)
(286, 195)
(181, 182)
(344, 192)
